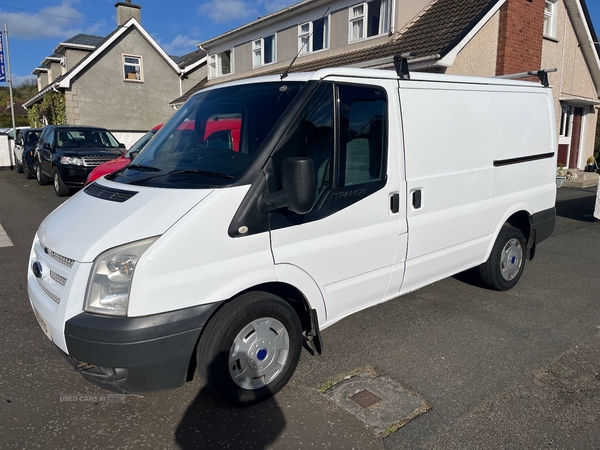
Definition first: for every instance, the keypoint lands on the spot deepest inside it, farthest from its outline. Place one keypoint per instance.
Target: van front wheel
(505, 265)
(250, 348)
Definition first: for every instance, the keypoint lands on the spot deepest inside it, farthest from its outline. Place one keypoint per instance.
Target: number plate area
(43, 324)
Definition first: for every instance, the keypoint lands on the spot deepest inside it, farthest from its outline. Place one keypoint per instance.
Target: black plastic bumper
(136, 354)
(542, 224)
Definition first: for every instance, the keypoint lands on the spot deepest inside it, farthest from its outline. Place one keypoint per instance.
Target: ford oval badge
(37, 269)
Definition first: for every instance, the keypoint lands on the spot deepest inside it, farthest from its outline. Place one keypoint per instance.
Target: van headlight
(110, 279)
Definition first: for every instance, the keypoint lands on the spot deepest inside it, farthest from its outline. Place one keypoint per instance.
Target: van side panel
(448, 153)
(524, 146)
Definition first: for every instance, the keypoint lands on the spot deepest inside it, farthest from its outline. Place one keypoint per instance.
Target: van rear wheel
(250, 348)
(506, 263)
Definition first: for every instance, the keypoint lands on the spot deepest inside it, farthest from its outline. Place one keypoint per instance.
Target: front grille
(61, 259)
(96, 160)
(56, 277)
(56, 298)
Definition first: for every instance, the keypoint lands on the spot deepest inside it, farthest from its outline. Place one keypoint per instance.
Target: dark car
(67, 154)
(25, 151)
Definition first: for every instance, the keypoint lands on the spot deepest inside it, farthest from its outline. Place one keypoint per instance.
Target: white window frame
(308, 36)
(384, 20)
(215, 64)
(356, 18)
(139, 72)
(550, 16)
(258, 46)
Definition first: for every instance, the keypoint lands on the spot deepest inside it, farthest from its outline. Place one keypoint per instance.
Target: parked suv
(67, 154)
(25, 151)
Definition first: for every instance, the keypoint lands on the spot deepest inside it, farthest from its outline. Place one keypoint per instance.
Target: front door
(348, 242)
(575, 137)
(569, 138)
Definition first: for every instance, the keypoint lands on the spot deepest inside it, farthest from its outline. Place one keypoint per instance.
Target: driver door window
(348, 147)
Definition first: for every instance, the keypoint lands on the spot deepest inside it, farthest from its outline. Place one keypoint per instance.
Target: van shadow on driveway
(210, 424)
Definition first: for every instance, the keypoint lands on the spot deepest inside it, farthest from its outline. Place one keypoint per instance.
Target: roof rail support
(401, 64)
(542, 75)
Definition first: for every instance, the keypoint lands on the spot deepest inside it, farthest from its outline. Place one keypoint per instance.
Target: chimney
(126, 10)
(520, 36)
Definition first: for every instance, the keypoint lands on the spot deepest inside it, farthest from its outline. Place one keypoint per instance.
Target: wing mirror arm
(298, 193)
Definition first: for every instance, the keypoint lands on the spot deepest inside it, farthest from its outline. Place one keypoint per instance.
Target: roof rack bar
(542, 74)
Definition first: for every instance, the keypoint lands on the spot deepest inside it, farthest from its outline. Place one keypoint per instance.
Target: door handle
(395, 203)
(416, 199)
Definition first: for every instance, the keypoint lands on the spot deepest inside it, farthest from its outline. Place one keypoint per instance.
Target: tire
(29, 174)
(255, 334)
(60, 188)
(18, 167)
(506, 263)
(41, 178)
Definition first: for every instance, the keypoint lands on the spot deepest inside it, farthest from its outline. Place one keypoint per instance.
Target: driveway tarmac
(516, 369)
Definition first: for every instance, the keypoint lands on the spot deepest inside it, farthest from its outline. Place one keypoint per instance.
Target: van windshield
(213, 138)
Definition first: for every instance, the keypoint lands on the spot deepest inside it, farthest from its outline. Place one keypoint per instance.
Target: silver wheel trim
(38, 172)
(56, 182)
(259, 353)
(511, 259)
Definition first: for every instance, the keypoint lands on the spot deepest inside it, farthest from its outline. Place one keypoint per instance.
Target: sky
(36, 27)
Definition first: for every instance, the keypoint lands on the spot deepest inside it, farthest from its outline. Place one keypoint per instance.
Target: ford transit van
(348, 188)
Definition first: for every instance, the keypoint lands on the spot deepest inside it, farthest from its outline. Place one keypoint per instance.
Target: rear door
(349, 241)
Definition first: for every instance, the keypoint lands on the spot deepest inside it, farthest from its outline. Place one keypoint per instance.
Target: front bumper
(136, 354)
(74, 176)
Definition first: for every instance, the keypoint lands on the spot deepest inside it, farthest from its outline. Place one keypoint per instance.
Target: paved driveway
(518, 369)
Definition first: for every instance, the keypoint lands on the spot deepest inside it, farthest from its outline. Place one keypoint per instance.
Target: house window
(221, 64)
(132, 68)
(550, 13)
(369, 19)
(263, 51)
(566, 119)
(313, 36)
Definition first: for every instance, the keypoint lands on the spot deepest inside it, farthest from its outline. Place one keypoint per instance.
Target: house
(467, 37)
(123, 82)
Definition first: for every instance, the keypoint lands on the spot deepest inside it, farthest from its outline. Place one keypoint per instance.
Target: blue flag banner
(2, 71)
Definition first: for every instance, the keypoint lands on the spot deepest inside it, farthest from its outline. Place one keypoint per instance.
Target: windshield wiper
(201, 172)
(142, 168)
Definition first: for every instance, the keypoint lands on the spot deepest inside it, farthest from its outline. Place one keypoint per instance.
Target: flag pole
(10, 89)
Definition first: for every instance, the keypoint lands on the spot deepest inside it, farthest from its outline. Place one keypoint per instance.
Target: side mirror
(299, 191)
(19, 142)
(47, 146)
(122, 147)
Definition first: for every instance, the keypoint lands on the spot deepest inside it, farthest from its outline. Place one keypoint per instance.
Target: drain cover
(365, 398)
(380, 402)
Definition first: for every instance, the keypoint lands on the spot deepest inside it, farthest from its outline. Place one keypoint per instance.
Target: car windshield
(140, 144)
(213, 138)
(85, 139)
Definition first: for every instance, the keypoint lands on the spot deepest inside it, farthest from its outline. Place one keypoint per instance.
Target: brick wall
(520, 36)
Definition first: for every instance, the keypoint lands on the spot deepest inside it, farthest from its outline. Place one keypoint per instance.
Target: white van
(346, 188)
